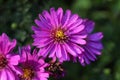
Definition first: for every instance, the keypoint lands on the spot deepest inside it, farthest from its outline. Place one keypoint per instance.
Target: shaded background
(17, 16)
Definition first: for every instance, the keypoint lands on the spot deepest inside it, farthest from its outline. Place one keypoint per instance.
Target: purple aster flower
(93, 45)
(8, 60)
(58, 34)
(31, 65)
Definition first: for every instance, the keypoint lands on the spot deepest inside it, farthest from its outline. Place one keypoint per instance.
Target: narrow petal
(86, 60)
(48, 18)
(46, 15)
(44, 51)
(78, 36)
(89, 25)
(78, 41)
(44, 21)
(35, 28)
(42, 44)
(60, 14)
(16, 69)
(54, 16)
(89, 56)
(78, 49)
(3, 75)
(58, 51)
(44, 75)
(42, 34)
(96, 45)
(64, 53)
(53, 51)
(6, 44)
(73, 19)
(95, 51)
(9, 46)
(75, 24)
(77, 29)
(70, 49)
(14, 59)
(40, 24)
(96, 36)
(41, 61)
(5, 37)
(10, 75)
(89, 51)
(66, 18)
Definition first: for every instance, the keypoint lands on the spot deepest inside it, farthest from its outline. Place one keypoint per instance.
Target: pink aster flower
(93, 45)
(58, 34)
(31, 65)
(8, 60)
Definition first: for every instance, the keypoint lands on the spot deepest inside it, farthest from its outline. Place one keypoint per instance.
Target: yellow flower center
(59, 34)
(27, 74)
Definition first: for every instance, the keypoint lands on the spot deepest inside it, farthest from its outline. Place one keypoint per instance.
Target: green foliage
(17, 17)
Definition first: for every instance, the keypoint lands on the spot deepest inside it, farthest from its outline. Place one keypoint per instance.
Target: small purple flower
(59, 34)
(93, 45)
(31, 65)
(8, 60)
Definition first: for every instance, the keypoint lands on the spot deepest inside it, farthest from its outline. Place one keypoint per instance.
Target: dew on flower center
(3, 61)
(27, 74)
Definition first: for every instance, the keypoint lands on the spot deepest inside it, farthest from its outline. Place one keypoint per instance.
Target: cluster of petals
(22, 66)
(33, 67)
(8, 60)
(59, 35)
(66, 36)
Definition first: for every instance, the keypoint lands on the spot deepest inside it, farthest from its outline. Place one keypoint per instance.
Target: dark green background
(17, 17)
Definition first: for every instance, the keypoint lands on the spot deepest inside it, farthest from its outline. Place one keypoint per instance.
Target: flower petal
(48, 18)
(72, 19)
(58, 51)
(40, 44)
(14, 59)
(44, 21)
(44, 51)
(70, 49)
(40, 24)
(89, 25)
(78, 41)
(66, 18)
(77, 29)
(53, 51)
(75, 24)
(90, 53)
(3, 75)
(96, 36)
(6, 45)
(54, 16)
(96, 45)
(60, 14)
(10, 75)
(64, 53)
